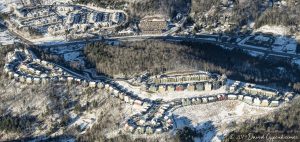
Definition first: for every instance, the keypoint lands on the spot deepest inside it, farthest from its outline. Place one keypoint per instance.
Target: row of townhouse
(261, 91)
(245, 98)
(180, 78)
(196, 86)
(253, 89)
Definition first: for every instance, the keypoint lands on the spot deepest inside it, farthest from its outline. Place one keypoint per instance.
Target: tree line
(18, 124)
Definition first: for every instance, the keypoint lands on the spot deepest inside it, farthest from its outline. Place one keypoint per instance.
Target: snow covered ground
(53, 1)
(6, 38)
(49, 40)
(255, 53)
(277, 30)
(216, 119)
(71, 56)
(281, 44)
(284, 44)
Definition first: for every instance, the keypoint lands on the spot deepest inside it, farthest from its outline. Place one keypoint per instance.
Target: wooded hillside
(154, 56)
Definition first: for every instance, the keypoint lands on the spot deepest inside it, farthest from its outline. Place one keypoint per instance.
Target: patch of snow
(277, 30)
(71, 56)
(255, 53)
(49, 40)
(6, 38)
(261, 38)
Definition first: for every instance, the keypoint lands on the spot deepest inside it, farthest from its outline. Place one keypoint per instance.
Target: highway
(166, 37)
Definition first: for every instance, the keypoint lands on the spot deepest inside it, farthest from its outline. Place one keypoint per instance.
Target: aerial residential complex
(65, 71)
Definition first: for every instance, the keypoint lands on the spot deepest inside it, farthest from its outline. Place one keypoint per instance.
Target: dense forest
(284, 120)
(157, 57)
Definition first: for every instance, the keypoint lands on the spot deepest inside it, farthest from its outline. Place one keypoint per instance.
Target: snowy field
(217, 119)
